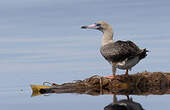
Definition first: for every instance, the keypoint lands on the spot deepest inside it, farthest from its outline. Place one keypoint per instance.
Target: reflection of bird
(126, 104)
(121, 54)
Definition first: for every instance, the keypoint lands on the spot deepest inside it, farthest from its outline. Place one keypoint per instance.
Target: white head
(103, 27)
(100, 25)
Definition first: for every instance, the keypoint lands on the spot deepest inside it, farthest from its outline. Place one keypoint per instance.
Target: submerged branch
(143, 83)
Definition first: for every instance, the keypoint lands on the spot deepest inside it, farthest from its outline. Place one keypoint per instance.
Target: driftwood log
(143, 83)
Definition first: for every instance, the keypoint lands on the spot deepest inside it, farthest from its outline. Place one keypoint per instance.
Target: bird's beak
(92, 26)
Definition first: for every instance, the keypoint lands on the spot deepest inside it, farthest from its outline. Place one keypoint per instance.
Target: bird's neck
(107, 37)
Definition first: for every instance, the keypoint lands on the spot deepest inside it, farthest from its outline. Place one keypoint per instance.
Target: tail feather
(143, 54)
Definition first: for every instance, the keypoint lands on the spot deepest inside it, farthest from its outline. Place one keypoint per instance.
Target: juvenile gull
(120, 54)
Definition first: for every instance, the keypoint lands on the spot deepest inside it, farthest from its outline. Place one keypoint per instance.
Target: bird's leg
(114, 99)
(113, 71)
(126, 73)
(127, 97)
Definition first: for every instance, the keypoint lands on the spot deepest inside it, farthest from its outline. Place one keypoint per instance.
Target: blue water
(42, 41)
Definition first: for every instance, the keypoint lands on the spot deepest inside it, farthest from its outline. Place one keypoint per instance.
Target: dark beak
(84, 27)
(92, 26)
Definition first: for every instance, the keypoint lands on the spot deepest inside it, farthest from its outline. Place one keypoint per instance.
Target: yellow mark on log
(36, 89)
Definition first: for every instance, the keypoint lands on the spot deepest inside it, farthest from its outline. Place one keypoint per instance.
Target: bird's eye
(98, 24)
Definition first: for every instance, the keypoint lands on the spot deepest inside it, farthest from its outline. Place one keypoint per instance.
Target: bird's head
(100, 25)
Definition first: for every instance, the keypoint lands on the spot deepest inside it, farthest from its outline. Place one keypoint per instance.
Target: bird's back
(119, 51)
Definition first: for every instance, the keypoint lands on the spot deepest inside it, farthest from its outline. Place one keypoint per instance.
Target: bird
(120, 54)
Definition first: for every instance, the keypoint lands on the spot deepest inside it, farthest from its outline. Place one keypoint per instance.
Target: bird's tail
(143, 53)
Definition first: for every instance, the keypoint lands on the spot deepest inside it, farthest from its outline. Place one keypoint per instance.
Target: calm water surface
(42, 41)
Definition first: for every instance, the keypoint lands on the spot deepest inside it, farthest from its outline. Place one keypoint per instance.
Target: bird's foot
(113, 77)
(110, 77)
(126, 73)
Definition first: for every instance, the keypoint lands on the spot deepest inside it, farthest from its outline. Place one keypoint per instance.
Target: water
(42, 41)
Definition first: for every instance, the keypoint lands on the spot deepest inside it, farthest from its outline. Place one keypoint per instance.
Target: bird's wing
(119, 51)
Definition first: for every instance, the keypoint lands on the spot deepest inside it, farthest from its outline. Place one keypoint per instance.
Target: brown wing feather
(119, 51)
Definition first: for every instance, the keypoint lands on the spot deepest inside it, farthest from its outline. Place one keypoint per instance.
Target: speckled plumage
(125, 54)
(119, 51)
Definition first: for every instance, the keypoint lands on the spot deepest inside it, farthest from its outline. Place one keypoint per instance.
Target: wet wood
(143, 83)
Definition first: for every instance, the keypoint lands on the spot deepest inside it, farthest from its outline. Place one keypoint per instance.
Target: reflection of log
(140, 83)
